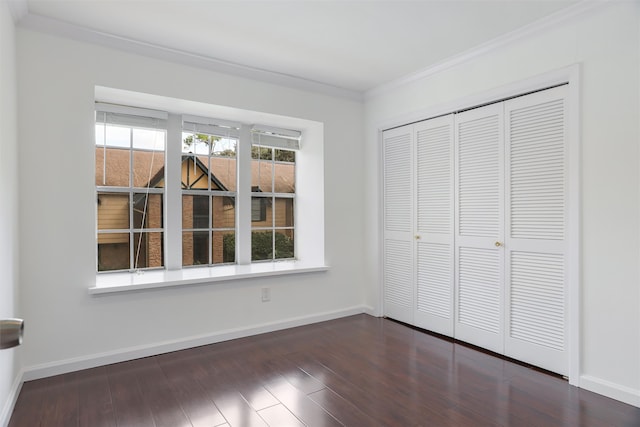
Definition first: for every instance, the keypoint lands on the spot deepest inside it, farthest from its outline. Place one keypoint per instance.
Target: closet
(475, 220)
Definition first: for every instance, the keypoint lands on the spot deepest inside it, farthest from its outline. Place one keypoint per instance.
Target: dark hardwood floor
(356, 371)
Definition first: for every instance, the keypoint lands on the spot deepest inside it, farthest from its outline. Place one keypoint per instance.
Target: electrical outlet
(266, 294)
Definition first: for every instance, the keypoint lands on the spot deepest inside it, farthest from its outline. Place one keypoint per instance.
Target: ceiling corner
(19, 9)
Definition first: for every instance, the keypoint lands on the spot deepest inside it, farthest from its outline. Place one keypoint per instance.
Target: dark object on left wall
(11, 332)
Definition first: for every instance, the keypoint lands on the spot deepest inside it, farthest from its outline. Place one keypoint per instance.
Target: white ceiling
(353, 45)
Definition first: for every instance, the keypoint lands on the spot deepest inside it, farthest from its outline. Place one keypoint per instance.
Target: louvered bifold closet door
(536, 255)
(479, 200)
(434, 237)
(398, 258)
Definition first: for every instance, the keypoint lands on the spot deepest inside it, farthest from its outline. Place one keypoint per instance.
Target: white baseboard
(121, 355)
(614, 391)
(10, 403)
(367, 309)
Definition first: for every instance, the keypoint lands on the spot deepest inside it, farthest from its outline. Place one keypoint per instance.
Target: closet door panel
(434, 149)
(479, 219)
(479, 289)
(536, 226)
(398, 194)
(398, 280)
(434, 237)
(398, 245)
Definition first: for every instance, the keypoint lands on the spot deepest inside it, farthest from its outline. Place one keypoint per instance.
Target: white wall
(9, 362)
(605, 42)
(56, 94)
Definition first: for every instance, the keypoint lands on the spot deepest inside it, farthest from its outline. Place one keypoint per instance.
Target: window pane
(147, 210)
(148, 139)
(195, 211)
(148, 250)
(114, 170)
(223, 247)
(284, 212)
(148, 169)
(196, 143)
(113, 251)
(284, 244)
(261, 212)
(284, 156)
(261, 245)
(113, 211)
(195, 173)
(285, 178)
(117, 136)
(224, 212)
(195, 248)
(262, 153)
(223, 173)
(224, 147)
(261, 176)
(187, 142)
(100, 133)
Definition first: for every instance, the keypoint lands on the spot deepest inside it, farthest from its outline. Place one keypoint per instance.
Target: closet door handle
(498, 244)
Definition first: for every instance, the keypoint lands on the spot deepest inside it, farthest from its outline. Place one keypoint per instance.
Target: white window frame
(308, 224)
(131, 118)
(223, 129)
(265, 197)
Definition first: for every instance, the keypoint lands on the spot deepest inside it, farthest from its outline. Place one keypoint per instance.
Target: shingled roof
(223, 170)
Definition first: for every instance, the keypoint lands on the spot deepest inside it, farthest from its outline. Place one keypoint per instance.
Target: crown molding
(536, 27)
(21, 16)
(18, 9)
(55, 27)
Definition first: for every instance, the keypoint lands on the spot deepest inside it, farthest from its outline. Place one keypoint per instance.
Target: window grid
(139, 239)
(208, 235)
(139, 186)
(281, 247)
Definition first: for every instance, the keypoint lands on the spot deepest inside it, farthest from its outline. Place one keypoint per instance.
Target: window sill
(154, 279)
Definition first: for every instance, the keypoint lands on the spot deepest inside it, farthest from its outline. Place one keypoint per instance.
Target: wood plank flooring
(357, 371)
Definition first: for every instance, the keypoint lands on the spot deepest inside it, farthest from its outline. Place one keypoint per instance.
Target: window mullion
(210, 221)
(173, 196)
(132, 240)
(273, 204)
(243, 197)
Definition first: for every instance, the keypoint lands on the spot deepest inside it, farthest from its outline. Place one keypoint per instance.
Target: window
(208, 182)
(272, 202)
(130, 152)
(133, 183)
